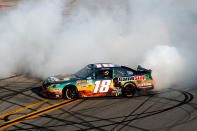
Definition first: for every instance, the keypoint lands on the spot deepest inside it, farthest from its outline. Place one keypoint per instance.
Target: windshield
(83, 73)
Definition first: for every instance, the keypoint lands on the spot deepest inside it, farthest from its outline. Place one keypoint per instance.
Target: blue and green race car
(96, 80)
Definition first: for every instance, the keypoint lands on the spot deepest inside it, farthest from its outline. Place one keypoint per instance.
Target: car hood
(62, 78)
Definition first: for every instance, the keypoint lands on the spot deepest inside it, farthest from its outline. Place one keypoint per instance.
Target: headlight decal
(55, 85)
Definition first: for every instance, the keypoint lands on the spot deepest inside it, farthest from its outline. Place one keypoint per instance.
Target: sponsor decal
(148, 84)
(145, 84)
(125, 78)
(140, 84)
(79, 82)
(89, 81)
(83, 81)
(83, 85)
(132, 78)
(57, 90)
(89, 86)
(139, 77)
(104, 65)
(130, 72)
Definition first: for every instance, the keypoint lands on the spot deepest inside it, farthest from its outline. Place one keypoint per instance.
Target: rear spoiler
(142, 69)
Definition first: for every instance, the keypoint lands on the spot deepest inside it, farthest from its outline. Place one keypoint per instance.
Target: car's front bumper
(50, 93)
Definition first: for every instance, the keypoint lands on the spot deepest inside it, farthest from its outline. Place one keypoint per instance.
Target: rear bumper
(146, 88)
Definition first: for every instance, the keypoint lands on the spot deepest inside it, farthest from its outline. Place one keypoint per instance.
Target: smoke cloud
(49, 37)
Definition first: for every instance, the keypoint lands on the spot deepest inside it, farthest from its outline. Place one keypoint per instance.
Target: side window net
(103, 74)
(120, 73)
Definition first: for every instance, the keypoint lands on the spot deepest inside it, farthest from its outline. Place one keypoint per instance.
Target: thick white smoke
(167, 66)
(48, 37)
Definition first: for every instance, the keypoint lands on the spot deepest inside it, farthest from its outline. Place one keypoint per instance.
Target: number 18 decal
(104, 86)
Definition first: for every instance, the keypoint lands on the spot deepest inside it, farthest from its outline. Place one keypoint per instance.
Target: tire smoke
(49, 37)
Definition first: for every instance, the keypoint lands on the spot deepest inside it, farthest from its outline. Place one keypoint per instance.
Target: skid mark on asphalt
(14, 92)
(133, 112)
(109, 122)
(23, 108)
(187, 98)
(9, 77)
(36, 113)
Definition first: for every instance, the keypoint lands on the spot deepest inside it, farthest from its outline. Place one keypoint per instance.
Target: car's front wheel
(71, 93)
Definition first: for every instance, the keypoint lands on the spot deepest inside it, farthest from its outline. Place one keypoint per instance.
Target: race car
(97, 80)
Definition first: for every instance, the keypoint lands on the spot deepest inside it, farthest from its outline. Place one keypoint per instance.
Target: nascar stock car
(96, 80)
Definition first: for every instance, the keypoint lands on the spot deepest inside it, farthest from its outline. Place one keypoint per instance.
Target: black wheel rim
(71, 93)
(129, 91)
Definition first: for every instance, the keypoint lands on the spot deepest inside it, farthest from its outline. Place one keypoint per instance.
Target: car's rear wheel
(71, 93)
(129, 90)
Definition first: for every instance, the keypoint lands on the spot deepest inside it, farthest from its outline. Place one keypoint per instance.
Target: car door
(103, 83)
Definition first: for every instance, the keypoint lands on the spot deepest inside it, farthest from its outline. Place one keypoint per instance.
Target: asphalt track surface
(23, 108)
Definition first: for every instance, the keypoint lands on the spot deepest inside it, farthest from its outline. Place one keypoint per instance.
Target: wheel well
(130, 83)
(67, 86)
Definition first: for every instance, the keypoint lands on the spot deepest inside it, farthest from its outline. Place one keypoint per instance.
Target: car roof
(107, 65)
(102, 65)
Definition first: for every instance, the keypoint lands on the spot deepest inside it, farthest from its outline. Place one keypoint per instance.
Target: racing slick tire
(71, 93)
(129, 90)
